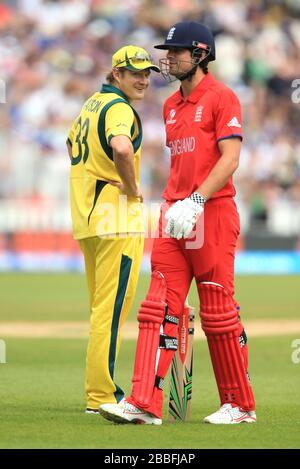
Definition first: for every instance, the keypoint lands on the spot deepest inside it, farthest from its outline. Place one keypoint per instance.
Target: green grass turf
(39, 297)
(42, 402)
(41, 386)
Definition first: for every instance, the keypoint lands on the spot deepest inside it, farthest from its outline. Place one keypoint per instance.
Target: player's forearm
(124, 162)
(218, 176)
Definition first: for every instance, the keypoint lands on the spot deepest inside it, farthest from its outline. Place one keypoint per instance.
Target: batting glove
(182, 216)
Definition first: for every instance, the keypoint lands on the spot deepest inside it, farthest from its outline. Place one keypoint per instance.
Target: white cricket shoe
(127, 413)
(230, 415)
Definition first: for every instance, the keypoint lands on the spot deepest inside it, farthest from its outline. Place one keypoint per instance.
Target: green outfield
(41, 385)
(38, 297)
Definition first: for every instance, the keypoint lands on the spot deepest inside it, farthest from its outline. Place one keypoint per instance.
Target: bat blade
(182, 369)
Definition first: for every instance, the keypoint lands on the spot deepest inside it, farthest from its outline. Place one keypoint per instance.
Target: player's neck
(187, 86)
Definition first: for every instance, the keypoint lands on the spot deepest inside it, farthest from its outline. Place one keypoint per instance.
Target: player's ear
(116, 75)
(200, 54)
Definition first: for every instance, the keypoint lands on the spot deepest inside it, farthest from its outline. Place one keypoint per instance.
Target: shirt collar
(204, 84)
(113, 89)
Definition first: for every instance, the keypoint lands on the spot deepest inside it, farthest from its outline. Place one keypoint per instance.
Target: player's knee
(154, 306)
(154, 312)
(218, 309)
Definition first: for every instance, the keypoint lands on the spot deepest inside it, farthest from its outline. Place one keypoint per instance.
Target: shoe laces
(131, 408)
(225, 407)
(236, 412)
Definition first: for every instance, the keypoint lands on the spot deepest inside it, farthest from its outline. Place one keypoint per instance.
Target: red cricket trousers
(213, 262)
(179, 261)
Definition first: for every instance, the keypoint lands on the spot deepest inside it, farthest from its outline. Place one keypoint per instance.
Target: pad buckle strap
(167, 342)
(171, 319)
(243, 339)
(159, 382)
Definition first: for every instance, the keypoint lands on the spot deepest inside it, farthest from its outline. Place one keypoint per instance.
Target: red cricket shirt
(212, 112)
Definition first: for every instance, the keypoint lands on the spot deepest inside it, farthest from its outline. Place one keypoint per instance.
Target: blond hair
(110, 76)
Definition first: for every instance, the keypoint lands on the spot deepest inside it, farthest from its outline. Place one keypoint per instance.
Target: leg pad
(222, 327)
(157, 330)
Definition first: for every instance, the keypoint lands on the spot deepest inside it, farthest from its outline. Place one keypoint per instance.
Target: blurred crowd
(54, 54)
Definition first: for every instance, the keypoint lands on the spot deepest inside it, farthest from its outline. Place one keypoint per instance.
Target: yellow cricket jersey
(97, 207)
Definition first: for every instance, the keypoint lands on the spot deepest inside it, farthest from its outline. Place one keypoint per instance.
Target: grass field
(41, 385)
(38, 297)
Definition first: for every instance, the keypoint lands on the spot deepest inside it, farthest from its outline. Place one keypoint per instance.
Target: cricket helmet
(190, 35)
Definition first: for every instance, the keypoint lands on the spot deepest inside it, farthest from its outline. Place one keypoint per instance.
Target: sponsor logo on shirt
(171, 119)
(171, 34)
(234, 122)
(182, 145)
(198, 114)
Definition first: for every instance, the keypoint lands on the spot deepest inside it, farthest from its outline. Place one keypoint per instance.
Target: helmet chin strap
(189, 75)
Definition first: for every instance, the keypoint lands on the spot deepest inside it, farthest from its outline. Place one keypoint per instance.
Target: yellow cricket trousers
(112, 268)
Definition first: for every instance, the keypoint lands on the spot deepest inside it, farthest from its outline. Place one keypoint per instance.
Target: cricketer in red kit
(203, 132)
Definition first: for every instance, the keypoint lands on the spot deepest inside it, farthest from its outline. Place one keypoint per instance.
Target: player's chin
(175, 73)
(139, 94)
(174, 67)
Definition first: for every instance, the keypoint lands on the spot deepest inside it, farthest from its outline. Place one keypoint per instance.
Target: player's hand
(182, 216)
(136, 194)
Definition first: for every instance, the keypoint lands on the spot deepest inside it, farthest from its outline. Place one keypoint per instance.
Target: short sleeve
(228, 116)
(71, 133)
(119, 120)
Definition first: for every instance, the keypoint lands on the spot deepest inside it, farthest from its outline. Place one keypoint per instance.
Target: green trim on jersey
(98, 188)
(109, 138)
(113, 89)
(132, 130)
(101, 127)
(136, 143)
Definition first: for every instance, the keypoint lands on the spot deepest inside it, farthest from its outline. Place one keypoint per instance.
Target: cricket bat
(182, 368)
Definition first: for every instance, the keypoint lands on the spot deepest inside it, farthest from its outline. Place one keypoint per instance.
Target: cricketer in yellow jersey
(104, 146)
